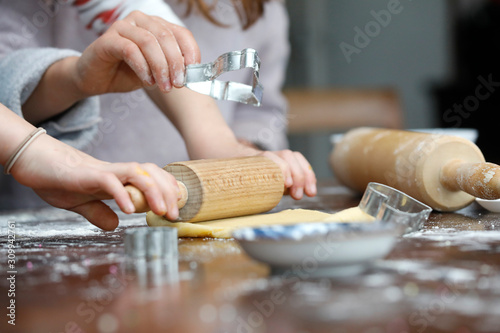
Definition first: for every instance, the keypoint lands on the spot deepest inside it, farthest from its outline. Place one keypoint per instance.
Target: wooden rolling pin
(445, 172)
(220, 188)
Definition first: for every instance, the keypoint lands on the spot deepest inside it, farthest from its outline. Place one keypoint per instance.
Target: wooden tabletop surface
(71, 277)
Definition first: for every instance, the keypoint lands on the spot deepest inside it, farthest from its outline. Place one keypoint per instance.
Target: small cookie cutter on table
(202, 78)
(152, 256)
(388, 204)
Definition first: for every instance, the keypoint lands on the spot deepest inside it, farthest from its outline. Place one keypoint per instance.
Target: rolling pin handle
(141, 204)
(448, 175)
(481, 180)
(184, 195)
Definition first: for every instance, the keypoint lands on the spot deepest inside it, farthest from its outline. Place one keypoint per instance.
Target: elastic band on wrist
(21, 148)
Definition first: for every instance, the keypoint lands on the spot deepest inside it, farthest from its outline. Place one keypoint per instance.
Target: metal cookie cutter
(151, 256)
(202, 78)
(388, 204)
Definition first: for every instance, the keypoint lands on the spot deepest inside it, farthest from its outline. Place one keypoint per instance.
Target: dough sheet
(223, 228)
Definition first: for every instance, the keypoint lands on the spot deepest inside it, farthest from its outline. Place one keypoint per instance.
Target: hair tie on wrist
(21, 148)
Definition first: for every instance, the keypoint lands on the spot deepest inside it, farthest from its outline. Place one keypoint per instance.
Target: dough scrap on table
(223, 228)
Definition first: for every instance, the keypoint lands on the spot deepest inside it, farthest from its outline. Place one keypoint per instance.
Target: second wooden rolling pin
(220, 188)
(445, 172)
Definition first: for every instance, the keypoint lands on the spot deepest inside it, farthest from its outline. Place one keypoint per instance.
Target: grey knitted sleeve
(20, 73)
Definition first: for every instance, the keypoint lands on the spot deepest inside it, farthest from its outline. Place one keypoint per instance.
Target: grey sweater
(131, 127)
(20, 72)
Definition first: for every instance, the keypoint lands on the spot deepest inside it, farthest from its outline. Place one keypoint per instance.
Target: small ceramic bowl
(491, 205)
(318, 249)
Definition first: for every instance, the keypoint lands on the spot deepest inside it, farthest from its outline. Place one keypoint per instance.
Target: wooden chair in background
(313, 110)
(315, 114)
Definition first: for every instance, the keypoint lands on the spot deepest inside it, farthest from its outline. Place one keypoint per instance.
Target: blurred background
(387, 63)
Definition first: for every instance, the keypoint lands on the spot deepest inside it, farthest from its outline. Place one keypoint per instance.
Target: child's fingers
(297, 189)
(308, 173)
(109, 183)
(99, 214)
(168, 189)
(284, 166)
(132, 173)
(299, 176)
(158, 186)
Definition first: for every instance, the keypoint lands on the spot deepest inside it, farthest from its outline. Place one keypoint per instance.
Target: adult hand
(140, 50)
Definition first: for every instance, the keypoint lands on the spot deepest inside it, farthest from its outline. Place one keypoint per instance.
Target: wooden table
(73, 278)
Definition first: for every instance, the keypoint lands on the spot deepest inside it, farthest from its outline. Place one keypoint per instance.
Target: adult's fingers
(126, 50)
(169, 45)
(156, 50)
(187, 43)
(150, 49)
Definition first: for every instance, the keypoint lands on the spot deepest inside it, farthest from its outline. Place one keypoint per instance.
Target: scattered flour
(467, 240)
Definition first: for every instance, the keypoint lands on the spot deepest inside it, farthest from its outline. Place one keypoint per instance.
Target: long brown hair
(248, 11)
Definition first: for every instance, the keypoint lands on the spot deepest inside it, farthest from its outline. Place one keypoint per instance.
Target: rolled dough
(223, 228)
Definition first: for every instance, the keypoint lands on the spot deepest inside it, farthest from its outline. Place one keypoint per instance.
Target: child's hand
(298, 174)
(70, 179)
(140, 50)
